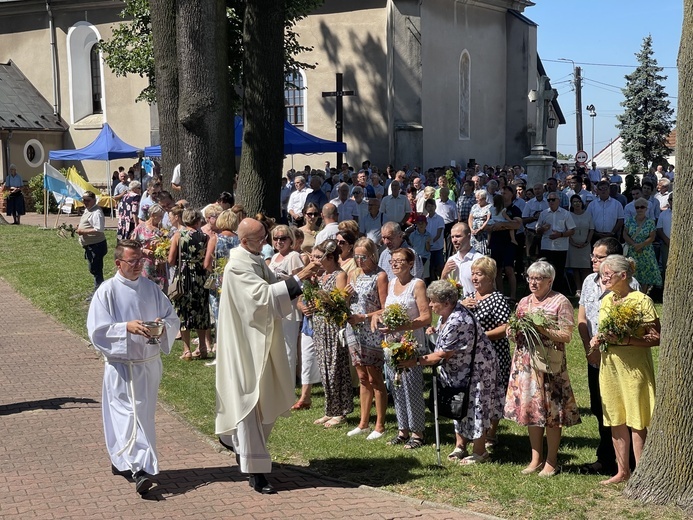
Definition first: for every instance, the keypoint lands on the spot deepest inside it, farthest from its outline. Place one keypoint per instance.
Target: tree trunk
(263, 106)
(163, 20)
(203, 109)
(665, 473)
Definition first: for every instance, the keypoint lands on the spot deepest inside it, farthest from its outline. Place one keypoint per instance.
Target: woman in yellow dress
(626, 372)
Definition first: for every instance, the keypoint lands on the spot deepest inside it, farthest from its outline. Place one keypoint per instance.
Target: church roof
(22, 107)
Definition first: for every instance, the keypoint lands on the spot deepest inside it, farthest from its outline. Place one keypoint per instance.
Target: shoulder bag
(175, 289)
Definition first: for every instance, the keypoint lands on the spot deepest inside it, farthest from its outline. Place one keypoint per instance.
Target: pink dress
(535, 398)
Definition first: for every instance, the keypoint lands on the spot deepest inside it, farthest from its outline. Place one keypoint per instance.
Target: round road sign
(581, 156)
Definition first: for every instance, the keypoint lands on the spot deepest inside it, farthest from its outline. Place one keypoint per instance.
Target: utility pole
(578, 108)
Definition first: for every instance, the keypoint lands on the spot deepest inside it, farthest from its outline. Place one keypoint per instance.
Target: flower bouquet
(218, 273)
(395, 315)
(332, 305)
(162, 248)
(457, 285)
(398, 351)
(543, 358)
(623, 319)
(64, 229)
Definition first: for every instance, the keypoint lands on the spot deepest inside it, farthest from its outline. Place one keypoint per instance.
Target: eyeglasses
(312, 214)
(341, 242)
(535, 279)
(135, 263)
(360, 258)
(281, 239)
(608, 276)
(552, 199)
(397, 262)
(596, 257)
(640, 207)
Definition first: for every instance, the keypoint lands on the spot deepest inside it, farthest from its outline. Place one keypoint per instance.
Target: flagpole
(45, 198)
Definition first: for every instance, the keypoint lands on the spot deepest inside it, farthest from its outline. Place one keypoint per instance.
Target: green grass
(52, 273)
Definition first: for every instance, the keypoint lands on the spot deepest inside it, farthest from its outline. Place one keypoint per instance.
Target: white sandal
(457, 453)
(475, 459)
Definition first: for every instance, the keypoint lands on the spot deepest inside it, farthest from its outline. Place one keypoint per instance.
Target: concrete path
(53, 462)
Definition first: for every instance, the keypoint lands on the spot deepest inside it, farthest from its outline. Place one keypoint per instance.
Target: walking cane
(432, 339)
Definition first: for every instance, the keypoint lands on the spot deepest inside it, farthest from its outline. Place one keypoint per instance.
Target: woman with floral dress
(192, 307)
(332, 356)
(479, 217)
(639, 233)
(149, 233)
(368, 287)
(127, 210)
(409, 292)
(467, 359)
(542, 401)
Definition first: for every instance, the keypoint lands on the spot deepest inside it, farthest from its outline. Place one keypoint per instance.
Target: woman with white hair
(149, 233)
(542, 401)
(479, 216)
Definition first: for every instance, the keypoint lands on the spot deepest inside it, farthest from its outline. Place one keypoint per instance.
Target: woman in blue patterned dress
(368, 285)
(127, 210)
(459, 333)
(639, 233)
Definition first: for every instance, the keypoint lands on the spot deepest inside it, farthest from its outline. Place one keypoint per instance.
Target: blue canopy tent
(295, 141)
(105, 147)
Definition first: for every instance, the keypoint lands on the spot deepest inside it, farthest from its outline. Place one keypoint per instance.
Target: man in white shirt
(395, 207)
(92, 237)
(346, 207)
(556, 226)
(357, 194)
(607, 213)
(663, 191)
(372, 221)
(297, 200)
(393, 238)
(459, 265)
(595, 173)
(330, 224)
(530, 215)
(447, 209)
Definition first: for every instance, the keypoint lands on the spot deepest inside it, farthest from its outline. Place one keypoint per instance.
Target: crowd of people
(448, 242)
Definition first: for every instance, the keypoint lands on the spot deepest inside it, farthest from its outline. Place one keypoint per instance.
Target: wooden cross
(339, 93)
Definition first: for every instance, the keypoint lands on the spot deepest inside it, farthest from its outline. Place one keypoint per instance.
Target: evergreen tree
(647, 119)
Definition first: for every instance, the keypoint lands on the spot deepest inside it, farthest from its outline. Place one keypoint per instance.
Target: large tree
(665, 472)
(647, 119)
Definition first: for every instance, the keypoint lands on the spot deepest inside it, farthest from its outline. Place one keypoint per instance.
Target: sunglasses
(341, 242)
(640, 207)
(362, 258)
(281, 239)
(312, 214)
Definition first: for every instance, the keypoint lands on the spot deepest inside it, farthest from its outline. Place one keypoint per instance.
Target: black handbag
(453, 403)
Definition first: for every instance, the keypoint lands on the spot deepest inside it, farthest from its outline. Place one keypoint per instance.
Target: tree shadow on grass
(54, 403)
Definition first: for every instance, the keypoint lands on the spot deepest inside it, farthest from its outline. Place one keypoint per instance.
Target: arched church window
(85, 73)
(95, 63)
(465, 96)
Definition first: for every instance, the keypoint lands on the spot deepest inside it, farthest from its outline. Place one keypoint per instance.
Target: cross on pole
(339, 93)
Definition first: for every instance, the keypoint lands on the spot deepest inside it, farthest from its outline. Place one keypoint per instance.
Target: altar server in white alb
(254, 382)
(116, 325)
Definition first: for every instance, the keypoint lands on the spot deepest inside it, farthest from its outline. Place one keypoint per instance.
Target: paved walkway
(53, 462)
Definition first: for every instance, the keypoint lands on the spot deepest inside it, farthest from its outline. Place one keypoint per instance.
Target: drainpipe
(54, 58)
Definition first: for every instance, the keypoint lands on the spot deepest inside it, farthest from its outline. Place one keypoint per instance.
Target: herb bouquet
(394, 316)
(332, 305)
(398, 351)
(543, 358)
(623, 319)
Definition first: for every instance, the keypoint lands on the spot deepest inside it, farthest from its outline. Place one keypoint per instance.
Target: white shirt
(347, 210)
(328, 232)
(595, 175)
(664, 222)
(662, 199)
(363, 209)
(560, 220)
(370, 226)
(463, 271)
(653, 210)
(394, 209)
(384, 263)
(175, 179)
(435, 223)
(447, 210)
(533, 206)
(297, 200)
(605, 214)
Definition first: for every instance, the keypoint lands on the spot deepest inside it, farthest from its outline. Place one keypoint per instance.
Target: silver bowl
(156, 329)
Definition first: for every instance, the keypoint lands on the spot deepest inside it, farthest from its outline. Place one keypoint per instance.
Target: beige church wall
(18, 144)
(25, 39)
(482, 33)
(353, 43)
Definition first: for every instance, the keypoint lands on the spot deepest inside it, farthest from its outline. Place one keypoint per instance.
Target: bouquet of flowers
(332, 305)
(457, 285)
(64, 229)
(544, 359)
(394, 315)
(622, 320)
(398, 351)
(162, 248)
(218, 273)
(452, 183)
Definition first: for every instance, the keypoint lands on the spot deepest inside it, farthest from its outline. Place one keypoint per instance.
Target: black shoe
(259, 483)
(230, 448)
(143, 482)
(127, 473)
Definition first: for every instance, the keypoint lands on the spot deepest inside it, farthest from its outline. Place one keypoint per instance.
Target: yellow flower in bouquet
(332, 305)
(395, 315)
(398, 351)
(457, 286)
(622, 319)
(162, 248)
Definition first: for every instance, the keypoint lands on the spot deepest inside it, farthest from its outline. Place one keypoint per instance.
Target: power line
(608, 64)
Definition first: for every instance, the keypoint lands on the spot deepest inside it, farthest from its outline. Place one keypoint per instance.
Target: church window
(294, 89)
(85, 74)
(95, 62)
(465, 96)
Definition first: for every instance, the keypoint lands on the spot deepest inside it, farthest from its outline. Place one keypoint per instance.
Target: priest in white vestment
(133, 366)
(254, 382)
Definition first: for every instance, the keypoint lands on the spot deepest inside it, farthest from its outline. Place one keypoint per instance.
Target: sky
(608, 33)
